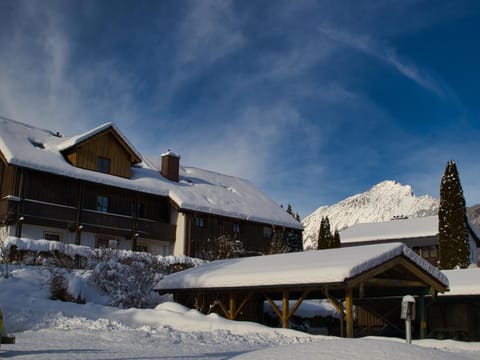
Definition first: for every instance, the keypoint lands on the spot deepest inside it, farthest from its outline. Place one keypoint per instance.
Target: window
(101, 243)
(236, 228)
(52, 236)
(267, 232)
(141, 248)
(433, 251)
(199, 222)
(106, 243)
(102, 204)
(103, 165)
(426, 251)
(140, 210)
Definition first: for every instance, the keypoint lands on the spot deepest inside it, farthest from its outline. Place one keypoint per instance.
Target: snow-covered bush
(59, 287)
(123, 276)
(223, 247)
(128, 281)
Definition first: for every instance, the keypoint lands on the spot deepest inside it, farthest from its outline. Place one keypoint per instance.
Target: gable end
(105, 152)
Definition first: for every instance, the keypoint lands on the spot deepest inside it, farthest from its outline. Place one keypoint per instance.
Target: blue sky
(313, 101)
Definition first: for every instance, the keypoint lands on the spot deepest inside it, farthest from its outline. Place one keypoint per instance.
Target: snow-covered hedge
(126, 278)
(43, 252)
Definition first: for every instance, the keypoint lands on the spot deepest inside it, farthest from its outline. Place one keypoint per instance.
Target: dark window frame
(103, 164)
(237, 228)
(267, 232)
(52, 236)
(102, 203)
(200, 222)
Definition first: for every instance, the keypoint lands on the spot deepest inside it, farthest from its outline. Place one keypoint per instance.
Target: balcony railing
(155, 230)
(43, 210)
(91, 220)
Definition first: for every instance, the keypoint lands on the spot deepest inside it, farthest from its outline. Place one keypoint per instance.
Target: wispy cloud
(44, 85)
(209, 31)
(244, 145)
(368, 45)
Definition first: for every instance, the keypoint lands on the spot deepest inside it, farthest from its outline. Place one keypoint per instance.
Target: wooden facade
(107, 146)
(40, 198)
(255, 237)
(455, 317)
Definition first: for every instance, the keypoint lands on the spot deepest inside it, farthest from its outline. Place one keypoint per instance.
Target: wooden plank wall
(86, 154)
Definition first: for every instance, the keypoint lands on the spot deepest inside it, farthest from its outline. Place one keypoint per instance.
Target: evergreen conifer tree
(336, 240)
(294, 241)
(325, 237)
(297, 216)
(289, 209)
(454, 247)
(278, 244)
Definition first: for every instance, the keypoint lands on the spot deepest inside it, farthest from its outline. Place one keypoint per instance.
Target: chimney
(170, 165)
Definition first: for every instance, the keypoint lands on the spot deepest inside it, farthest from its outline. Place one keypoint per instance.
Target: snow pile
(308, 308)
(382, 202)
(349, 349)
(47, 329)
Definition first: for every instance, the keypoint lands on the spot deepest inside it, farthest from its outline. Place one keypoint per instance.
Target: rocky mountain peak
(383, 202)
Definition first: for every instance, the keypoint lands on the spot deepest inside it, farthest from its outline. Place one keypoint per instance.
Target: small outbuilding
(348, 277)
(456, 314)
(418, 233)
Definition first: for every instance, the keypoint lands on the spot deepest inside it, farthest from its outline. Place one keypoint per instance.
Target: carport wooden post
(231, 307)
(349, 311)
(285, 310)
(421, 316)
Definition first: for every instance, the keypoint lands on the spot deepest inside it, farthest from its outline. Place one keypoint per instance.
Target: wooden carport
(237, 287)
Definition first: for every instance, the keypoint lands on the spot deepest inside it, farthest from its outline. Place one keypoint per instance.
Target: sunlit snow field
(47, 329)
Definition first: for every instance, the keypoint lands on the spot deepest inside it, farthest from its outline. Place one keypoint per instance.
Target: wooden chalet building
(420, 234)
(96, 189)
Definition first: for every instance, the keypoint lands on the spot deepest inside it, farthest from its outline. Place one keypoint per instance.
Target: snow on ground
(51, 330)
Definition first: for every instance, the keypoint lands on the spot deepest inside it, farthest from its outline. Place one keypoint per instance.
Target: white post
(408, 329)
(408, 313)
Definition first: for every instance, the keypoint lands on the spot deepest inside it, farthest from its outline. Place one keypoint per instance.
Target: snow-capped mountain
(473, 214)
(382, 202)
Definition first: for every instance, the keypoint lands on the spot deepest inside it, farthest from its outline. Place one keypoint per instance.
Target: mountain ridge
(382, 202)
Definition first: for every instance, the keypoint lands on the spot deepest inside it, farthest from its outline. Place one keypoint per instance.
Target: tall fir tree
(325, 237)
(294, 241)
(454, 247)
(278, 242)
(294, 238)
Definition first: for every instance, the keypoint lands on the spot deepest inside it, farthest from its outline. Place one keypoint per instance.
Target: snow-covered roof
(463, 281)
(198, 190)
(332, 266)
(393, 229)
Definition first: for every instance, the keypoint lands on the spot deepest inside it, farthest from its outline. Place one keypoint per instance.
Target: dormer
(103, 149)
